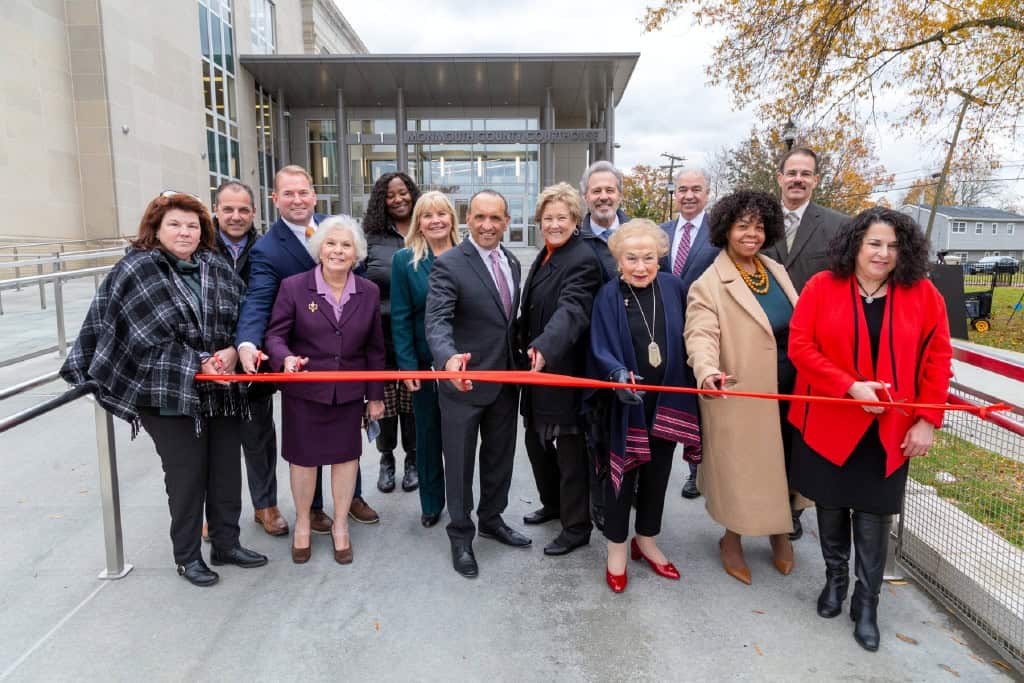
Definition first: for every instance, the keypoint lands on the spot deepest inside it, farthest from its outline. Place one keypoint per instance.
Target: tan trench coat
(743, 474)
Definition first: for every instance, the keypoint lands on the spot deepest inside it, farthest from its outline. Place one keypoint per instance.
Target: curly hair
(912, 249)
(377, 217)
(158, 208)
(744, 204)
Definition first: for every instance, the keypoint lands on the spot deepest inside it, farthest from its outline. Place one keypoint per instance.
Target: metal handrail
(29, 384)
(25, 245)
(110, 497)
(13, 283)
(62, 258)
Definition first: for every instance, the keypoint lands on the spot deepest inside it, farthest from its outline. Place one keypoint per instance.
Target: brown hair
(292, 169)
(158, 208)
(560, 192)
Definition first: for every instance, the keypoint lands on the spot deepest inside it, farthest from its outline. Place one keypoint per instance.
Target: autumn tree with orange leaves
(644, 193)
(808, 59)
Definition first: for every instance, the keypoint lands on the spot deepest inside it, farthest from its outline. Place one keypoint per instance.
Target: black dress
(644, 306)
(860, 484)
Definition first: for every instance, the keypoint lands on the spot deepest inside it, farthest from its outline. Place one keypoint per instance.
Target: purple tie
(683, 251)
(499, 278)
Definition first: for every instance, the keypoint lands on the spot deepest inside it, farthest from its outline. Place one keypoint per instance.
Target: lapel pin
(312, 307)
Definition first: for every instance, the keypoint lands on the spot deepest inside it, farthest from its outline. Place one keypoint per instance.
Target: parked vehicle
(994, 264)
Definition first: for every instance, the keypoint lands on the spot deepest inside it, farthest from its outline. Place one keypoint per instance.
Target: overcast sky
(668, 106)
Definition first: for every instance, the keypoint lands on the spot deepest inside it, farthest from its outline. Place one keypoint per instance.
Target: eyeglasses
(172, 193)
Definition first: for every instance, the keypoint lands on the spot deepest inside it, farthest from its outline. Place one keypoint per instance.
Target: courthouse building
(108, 102)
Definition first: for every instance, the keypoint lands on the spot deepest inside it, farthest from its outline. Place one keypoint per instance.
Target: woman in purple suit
(327, 318)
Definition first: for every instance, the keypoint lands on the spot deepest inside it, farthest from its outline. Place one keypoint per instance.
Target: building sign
(504, 137)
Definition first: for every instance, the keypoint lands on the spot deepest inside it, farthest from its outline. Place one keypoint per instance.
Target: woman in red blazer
(871, 328)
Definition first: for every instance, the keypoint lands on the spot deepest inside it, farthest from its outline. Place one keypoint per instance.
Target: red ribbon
(553, 380)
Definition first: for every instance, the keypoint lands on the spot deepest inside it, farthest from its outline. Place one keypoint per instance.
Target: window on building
(1010, 227)
(979, 228)
(321, 145)
(262, 25)
(217, 42)
(266, 150)
(959, 227)
(995, 228)
(963, 256)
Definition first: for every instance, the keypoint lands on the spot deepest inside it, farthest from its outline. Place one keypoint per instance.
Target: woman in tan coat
(737, 328)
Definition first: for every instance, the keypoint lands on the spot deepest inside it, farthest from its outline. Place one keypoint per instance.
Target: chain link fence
(961, 534)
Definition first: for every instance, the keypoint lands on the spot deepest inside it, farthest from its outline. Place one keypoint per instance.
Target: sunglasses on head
(172, 193)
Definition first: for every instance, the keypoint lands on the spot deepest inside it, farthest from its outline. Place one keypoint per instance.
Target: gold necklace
(758, 281)
(653, 350)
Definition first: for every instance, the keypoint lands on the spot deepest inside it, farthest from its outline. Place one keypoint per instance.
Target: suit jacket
(277, 255)
(555, 319)
(241, 265)
(728, 331)
(702, 253)
(810, 247)
(830, 347)
(303, 324)
(608, 266)
(409, 308)
(464, 315)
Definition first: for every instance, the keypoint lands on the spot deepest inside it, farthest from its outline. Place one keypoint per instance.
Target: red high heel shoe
(668, 570)
(617, 582)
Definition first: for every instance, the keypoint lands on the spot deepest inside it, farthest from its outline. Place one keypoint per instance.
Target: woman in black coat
(553, 327)
(386, 223)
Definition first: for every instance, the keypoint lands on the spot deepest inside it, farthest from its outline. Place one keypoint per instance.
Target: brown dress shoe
(342, 556)
(320, 522)
(271, 520)
(301, 555)
(731, 552)
(782, 553)
(362, 513)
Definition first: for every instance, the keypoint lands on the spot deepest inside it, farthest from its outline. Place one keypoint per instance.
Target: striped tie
(683, 251)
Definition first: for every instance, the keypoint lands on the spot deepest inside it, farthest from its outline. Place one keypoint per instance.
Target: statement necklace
(653, 350)
(758, 281)
(870, 298)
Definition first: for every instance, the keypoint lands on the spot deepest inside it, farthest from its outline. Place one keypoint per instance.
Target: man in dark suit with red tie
(470, 324)
(690, 253)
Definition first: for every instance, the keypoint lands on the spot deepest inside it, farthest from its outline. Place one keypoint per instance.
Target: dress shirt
(236, 249)
(300, 230)
(605, 232)
(799, 211)
(324, 290)
(678, 236)
(506, 269)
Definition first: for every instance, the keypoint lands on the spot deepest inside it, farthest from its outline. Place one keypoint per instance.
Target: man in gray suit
(809, 229)
(470, 320)
(689, 255)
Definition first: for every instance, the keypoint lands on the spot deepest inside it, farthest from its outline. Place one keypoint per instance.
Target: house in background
(972, 232)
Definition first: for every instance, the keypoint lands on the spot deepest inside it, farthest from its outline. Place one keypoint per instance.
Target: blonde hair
(560, 192)
(638, 227)
(415, 239)
(292, 169)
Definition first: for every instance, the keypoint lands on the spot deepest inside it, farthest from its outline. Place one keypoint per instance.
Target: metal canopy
(456, 80)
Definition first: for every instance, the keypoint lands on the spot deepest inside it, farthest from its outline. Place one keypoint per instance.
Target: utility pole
(671, 178)
(968, 99)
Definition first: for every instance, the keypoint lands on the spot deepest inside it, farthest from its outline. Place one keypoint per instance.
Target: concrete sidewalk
(400, 612)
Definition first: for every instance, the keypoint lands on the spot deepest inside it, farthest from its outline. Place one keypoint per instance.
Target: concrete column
(609, 124)
(344, 183)
(599, 150)
(401, 149)
(283, 141)
(548, 148)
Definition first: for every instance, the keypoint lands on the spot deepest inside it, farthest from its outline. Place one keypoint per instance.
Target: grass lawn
(1002, 335)
(988, 487)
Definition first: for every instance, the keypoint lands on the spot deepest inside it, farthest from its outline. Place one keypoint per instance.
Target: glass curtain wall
(321, 141)
(262, 27)
(217, 46)
(266, 146)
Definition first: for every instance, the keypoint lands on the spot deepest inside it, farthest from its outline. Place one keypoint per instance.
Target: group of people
(755, 295)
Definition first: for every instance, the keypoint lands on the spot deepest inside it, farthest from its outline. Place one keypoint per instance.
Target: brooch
(312, 307)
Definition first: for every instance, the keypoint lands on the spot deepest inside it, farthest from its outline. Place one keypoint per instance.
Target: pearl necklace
(758, 281)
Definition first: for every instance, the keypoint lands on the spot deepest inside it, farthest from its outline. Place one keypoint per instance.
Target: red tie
(683, 251)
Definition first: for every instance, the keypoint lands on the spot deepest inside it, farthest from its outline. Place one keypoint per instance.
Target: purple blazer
(303, 324)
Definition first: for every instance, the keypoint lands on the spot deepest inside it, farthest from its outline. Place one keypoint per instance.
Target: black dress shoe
(410, 480)
(690, 490)
(798, 528)
(503, 533)
(243, 557)
(429, 520)
(386, 478)
(198, 574)
(540, 516)
(463, 559)
(564, 546)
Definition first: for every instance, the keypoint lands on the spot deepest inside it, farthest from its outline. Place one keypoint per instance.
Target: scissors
(887, 395)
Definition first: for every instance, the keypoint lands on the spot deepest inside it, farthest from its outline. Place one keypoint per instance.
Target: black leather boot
(410, 480)
(870, 542)
(386, 480)
(834, 535)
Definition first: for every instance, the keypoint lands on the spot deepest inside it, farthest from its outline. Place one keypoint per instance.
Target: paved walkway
(400, 612)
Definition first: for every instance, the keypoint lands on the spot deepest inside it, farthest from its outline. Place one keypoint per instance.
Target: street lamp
(789, 134)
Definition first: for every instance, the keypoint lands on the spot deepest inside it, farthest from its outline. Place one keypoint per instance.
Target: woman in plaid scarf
(166, 312)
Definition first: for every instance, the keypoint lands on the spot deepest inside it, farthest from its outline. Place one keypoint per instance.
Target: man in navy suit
(690, 253)
(277, 255)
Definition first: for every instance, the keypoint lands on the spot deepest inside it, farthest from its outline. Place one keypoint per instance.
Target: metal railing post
(116, 567)
(58, 305)
(17, 271)
(892, 570)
